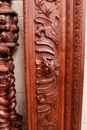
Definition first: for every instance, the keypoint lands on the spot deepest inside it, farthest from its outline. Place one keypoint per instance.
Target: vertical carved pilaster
(9, 119)
(47, 63)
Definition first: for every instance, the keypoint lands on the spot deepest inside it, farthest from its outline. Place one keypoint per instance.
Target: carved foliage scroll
(47, 40)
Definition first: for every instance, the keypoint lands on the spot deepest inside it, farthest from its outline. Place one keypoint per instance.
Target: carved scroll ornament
(9, 119)
(47, 64)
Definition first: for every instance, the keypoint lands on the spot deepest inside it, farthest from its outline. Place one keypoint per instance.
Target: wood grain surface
(54, 63)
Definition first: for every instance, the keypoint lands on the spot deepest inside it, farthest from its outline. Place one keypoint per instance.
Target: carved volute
(9, 119)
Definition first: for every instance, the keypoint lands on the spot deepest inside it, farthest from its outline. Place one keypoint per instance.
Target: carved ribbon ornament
(47, 63)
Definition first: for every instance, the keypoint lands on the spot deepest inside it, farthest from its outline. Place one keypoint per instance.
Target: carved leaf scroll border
(49, 65)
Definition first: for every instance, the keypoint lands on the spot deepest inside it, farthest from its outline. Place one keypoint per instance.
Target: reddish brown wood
(9, 119)
(54, 58)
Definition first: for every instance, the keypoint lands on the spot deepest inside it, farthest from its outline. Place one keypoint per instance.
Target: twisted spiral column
(4, 103)
(9, 119)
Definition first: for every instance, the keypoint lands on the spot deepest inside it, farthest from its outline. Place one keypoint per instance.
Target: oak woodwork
(54, 63)
(9, 119)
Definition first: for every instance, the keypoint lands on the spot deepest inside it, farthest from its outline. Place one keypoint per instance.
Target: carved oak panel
(54, 57)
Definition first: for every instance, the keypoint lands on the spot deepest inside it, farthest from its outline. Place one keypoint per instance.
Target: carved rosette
(9, 119)
(47, 35)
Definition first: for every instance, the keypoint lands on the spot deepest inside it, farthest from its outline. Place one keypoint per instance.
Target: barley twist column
(9, 119)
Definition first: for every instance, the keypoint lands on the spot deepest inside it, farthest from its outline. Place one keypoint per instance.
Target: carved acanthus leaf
(47, 65)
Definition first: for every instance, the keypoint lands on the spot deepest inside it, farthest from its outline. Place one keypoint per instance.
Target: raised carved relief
(47, 63)
(47, 66)
(9, 119)
(54, 96)
(74, 82)
(77, 63)
(68, 84)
